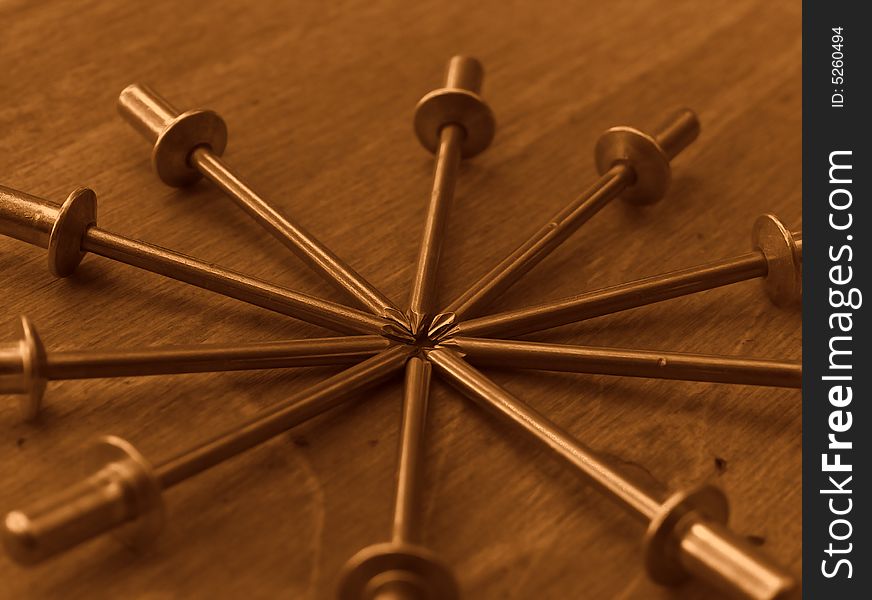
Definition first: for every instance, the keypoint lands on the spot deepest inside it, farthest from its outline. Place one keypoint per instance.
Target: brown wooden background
(319, 100)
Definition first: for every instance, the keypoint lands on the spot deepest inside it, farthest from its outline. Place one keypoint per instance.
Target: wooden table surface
(319, 100)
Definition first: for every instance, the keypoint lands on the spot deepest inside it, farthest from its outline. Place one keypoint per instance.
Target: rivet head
(661, 542)
(181, 136)
(409, 563)
(783, 281)
(643, 155)
(32, 375)
(455, 106)
(120, 491)
(77, 213)
(135, 473)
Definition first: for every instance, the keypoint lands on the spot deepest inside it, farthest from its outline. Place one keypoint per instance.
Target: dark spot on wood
(372, 443)
(720, 464)
(20, 442)
(757, 540)
(300, 441)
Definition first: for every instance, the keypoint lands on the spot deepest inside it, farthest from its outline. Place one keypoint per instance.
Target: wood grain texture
(319, 99)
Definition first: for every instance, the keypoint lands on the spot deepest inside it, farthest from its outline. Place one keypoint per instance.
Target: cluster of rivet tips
(686, 533)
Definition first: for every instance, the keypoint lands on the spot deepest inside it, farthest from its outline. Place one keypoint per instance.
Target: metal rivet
(452, 136)
(126, 489)
(647, 155)
(175, 135)
(685, 525)
(189, 145)
(631, 164)
(778, 259)
(60, 226)
(403, 562)
(25, 367)
(122, 495)
(458, 103)
(507, 354)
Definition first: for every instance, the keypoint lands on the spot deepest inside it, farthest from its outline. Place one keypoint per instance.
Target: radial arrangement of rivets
(685, 531)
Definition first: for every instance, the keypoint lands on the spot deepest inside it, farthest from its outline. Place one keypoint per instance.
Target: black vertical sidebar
(837, 227)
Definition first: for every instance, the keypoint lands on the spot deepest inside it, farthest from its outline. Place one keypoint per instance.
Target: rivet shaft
(632, 294)
(230, 283)
(542, 243)
(53, 524)
(674, 135)
(407, 504)
(315, 400)
(463, 73)
(403, 568)
(91, 364)
(705, 549)
(640, 502)
(627, 362)
(26, 218)
(151, 115)
(423, 295)
(25, 366)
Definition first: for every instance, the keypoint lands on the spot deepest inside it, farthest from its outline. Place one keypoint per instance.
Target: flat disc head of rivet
(32, 372)
(416, 563)
(178, 139)
(784, 278)
(661, 542)
(449, 106)
(77, 213)
(142, 487)
(640, 152)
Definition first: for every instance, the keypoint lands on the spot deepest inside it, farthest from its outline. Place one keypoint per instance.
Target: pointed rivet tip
(396, 316)
(418, 322)
(397, 333)
(436, 333)
(450, 344)
(396, 325)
